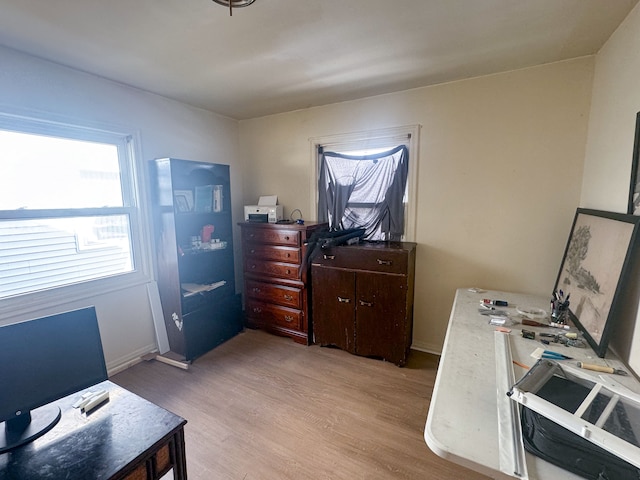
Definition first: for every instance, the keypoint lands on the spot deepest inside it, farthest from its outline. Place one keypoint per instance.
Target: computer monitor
(41, 361)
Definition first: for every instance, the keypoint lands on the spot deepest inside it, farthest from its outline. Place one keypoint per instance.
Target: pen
(522, 365)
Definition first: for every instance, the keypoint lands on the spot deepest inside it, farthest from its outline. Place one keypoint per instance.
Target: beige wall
(615, 102)
(500, 172)
(502, 167)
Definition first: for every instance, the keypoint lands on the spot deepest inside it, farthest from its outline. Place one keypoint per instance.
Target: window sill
(41, 303)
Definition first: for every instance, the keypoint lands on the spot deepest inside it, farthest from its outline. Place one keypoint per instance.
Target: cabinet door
(381, 315)
(211, 325)
(334, 307)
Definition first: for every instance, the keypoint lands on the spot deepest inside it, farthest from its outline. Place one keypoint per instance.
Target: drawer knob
(288, 271)
(288, 297)
(288, 318)
(287, 237)
(344, 300)
(252, 251)
(366, 304)
(288, 255)
(256, 290)
(253, 266)
(328, 257)
(384, 262)
(257, 310)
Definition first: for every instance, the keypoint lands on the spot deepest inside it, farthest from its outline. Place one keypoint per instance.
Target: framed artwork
(634, 188)
(594, 269)
(181, 203)
(184, 200)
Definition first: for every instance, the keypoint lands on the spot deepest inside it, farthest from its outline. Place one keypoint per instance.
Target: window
(68, 211)
(368, 180)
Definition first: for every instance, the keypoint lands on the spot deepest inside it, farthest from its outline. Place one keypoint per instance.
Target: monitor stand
(27, 427)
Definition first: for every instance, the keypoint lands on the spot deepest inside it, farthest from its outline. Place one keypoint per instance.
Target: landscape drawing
(591, 269)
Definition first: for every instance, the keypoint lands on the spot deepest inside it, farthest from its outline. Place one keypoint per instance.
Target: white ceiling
(282, 55)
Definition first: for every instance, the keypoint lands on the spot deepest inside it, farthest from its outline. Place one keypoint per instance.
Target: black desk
(125, 438)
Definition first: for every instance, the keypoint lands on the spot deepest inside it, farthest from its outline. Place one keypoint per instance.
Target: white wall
(499, 176)
(166, 129)
(615, 103)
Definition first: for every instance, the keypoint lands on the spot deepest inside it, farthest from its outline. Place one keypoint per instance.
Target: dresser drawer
(274, 314)
(273, 269)
(272, 293)
(385, 260)
(274, 237)
(274, 252)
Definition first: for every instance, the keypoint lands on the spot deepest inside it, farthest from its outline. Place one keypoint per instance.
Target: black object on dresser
(276, 289)
(363, 298)
(194, 240)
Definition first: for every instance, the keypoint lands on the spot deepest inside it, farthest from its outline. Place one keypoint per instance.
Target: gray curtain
(364, 192)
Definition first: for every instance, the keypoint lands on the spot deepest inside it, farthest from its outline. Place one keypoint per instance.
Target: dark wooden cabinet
(195, 279)
(363, 299)
(276, 291)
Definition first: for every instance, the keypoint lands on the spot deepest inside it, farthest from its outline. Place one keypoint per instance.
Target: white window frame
(372, 139)
(133, 181)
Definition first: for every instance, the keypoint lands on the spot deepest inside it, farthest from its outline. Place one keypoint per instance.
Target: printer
(266, 211)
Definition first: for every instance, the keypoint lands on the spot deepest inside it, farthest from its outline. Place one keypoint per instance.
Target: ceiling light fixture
(234, 3)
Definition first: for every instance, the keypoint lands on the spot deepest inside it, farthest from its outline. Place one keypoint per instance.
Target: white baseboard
(120, 364)
(427, 347)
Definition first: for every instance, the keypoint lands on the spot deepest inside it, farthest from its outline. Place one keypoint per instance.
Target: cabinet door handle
(366, 304)
(257, 310)
(288, 297)
(288, 318)
(344, 300)
(328, 257)
(384, 262)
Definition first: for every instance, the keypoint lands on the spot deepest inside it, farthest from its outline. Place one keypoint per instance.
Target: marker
(559, 325)
(497, 303)
(533, 323)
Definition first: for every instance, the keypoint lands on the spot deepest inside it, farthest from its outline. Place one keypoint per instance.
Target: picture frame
(181, 203)
(634, 188)
(183, 200)
(594, 271)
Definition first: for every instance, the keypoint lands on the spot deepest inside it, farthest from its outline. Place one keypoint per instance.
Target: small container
(559, 315)
(195, 241)
(217, 198)
(205, 234)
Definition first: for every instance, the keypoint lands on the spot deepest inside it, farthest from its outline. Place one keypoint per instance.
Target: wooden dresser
(276, 292)
(363, 299)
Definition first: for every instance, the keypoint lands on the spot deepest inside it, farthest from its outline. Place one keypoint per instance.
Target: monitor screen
(46, 359)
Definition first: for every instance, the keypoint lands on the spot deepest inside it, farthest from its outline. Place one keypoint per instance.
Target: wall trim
(427, 348)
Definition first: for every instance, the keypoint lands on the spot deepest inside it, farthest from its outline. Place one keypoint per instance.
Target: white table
(462, 423)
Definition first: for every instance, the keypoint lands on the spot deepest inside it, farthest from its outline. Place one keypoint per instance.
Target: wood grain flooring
(263, 407)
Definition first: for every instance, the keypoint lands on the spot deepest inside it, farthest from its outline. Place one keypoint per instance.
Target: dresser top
(380, 246)
(283, 226)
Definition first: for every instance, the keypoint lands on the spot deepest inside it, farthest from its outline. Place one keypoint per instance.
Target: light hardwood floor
(263, 407)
